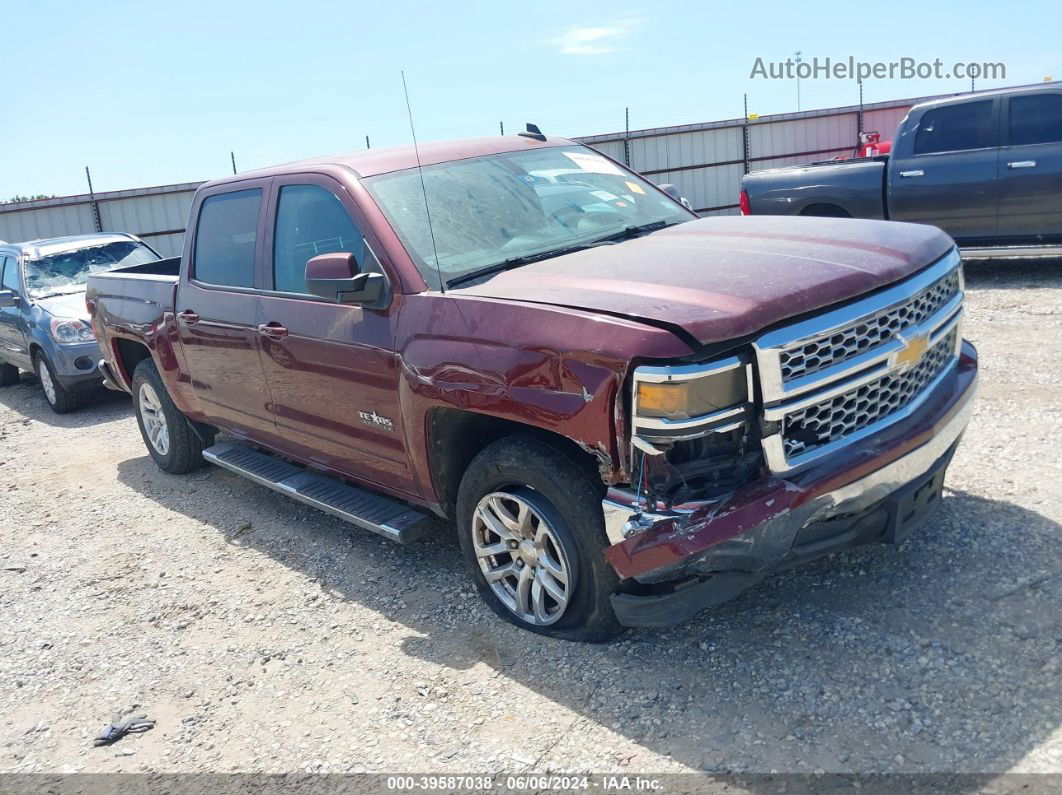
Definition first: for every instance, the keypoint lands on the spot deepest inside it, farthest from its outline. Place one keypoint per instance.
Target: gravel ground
(264, 636)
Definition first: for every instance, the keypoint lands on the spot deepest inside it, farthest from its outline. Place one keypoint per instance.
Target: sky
(152, 93)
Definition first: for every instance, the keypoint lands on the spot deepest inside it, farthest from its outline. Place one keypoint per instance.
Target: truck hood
(71, 305)
(719, 279)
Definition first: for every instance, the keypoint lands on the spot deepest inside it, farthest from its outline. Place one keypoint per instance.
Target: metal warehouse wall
(158, 215)
(706, 161)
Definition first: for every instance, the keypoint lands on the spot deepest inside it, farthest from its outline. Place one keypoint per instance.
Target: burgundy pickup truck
(628, 412)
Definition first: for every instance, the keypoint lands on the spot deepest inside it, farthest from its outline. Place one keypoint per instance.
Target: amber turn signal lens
(663, 399)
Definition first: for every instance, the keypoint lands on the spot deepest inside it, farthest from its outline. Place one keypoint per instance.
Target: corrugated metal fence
(158, 215)
(706, 161)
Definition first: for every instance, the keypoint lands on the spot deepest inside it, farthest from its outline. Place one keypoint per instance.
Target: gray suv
(44, 324)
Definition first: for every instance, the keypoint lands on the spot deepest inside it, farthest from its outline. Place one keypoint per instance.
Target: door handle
(916, 173)
(1021, 164)
(189, 317)
(273, 330)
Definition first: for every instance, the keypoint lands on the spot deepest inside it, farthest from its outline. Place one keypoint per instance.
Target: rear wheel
(8, 375)
(60, 399)
(169, 436)
(532, 534)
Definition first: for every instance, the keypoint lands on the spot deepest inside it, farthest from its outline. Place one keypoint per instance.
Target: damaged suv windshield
(68, 271)
(505, 210)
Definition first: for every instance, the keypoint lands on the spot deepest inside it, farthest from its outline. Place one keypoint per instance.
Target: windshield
(68, 271)
(487, 210)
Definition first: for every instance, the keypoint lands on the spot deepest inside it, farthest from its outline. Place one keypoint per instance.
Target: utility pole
(501, 128)
(95, 205)
(367, 142)
(627, 138)
(745, 135)
(797, 60)
(232, 156)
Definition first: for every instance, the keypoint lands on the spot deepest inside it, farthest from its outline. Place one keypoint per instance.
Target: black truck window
(1035, 119)
(952, 128)
(225, 238)
(310, 221)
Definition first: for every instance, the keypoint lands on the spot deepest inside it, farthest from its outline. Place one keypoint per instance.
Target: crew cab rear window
(1035, 119)
(225, 238)
(310, 221)
(953, 128)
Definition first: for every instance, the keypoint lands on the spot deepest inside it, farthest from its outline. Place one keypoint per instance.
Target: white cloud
(595, 41)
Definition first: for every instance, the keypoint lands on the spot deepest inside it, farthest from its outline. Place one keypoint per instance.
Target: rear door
(332, 369)
(216, 306)
(12, 321)
(1030, 168)
(943, 170)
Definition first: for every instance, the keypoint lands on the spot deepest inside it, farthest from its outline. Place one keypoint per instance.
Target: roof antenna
(533, 132)
(423, 188)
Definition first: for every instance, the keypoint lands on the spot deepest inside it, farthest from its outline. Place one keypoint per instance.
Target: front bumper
(74, 364)
(716, 550)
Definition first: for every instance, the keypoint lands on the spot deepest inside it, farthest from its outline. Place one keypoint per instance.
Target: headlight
(672, 404)
(66, 331)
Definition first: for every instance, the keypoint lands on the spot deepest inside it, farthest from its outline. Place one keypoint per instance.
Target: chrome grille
(834, 378)
(844, 414)
(817, 354)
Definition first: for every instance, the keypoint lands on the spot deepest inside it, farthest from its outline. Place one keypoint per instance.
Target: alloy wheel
(47, 383)
(154, 419)
(521, 558)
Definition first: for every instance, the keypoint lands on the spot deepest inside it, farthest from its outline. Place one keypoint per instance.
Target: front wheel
(169, 436)
(60, 399)
(532, 535)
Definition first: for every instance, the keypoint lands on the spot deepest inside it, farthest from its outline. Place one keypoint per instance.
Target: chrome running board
(390, 518)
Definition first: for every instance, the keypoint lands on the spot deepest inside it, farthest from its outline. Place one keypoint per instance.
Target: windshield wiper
(514, 262)
(61, 292)
(627, 232)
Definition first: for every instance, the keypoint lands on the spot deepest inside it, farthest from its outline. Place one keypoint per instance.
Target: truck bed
(856, 187)
(133, 299)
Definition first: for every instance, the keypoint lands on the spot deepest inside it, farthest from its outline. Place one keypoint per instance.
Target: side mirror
(336, 277)
(674, 193)
(8, 299)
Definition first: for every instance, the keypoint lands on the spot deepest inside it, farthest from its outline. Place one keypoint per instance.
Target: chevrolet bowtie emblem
(911, 353)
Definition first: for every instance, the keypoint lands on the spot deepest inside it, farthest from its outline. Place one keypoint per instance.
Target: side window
(10, 276)
(225, 236)
(311, 221)
(956, 127)
(1035, 119)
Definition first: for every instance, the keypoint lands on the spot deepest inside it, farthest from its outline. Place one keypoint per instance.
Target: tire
(60, 399)
(8, 375)
(564, 535)
(174, 444)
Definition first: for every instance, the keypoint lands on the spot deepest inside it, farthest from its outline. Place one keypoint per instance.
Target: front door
(217, 301)
(1030, 169)
(943, 170)
(332, 369)
(12, 322)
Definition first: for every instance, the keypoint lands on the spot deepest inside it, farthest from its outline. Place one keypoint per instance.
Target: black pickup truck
(986, 168)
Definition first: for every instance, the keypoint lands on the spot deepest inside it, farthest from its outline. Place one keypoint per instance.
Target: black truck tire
(556, 550)
(8, 375)
(60, 399)
(175, 445)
